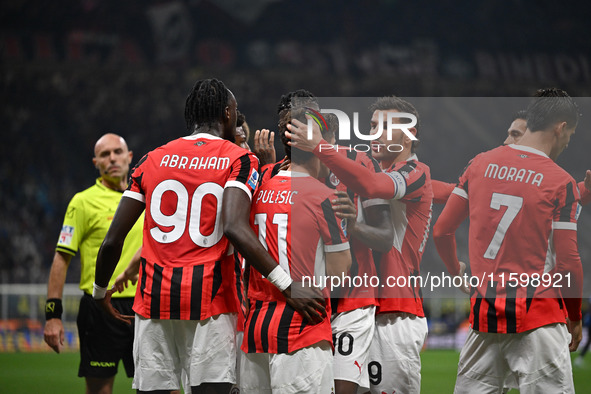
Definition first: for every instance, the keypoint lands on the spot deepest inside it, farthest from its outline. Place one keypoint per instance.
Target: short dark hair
(550, 106)
(521, 114)
(399, 104)
(298, 113)
(285, 102)
(206, 103)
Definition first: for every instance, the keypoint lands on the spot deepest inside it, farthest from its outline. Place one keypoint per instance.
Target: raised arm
(444, 232)
(358, 178)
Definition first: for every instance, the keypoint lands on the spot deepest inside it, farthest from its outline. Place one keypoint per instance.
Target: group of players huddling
(227, 242)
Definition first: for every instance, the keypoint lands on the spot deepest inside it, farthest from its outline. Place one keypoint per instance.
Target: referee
(103, 341)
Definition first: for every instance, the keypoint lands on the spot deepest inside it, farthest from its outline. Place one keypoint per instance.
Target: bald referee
(103, 341)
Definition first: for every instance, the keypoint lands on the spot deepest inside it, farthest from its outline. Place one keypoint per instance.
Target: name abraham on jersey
(513, 174)
(195, 163)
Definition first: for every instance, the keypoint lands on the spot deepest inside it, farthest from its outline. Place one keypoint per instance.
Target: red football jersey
(293, 216)
(411, 210)
(517, 196)
(362, 264)
(187, 269)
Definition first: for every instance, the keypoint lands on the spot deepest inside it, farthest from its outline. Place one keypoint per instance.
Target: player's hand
(53, 334)
(309, 302)
(107, 307)
(576, 331)
(264, 148)
(465, 288)
(588, 180)
(121, 282)
(298, 135)
(344, 209)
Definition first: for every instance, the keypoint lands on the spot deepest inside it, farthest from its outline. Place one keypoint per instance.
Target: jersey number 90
(185, 207)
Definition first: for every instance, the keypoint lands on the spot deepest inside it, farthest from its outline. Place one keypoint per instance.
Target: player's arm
(444, 231)
(377, 233)
(235, 216)
(53, 333)
(130, 274)
(585, 188)
(441, 191)
(568, 264)
(357, 177)
(338, 263)
(128, 212)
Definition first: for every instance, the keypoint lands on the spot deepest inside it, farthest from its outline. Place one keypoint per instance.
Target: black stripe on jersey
(217, 279)
(283, 329)
(65, 250)
(476, 312)
(530, 297)
(303, 325)
(352, 154)
(265, 326)
(567, 210)
(275, 170)
(416, 199)
(252, 347)
(156, 289)
(238, 273)
(560, 303)
(143, 281)
(333, 227)
(510, 313)
(376, 165)
(175, 292)
(138, 180)
(244, 169)
(196, 288)
(408, 167)
(491, 313)
(416, 185)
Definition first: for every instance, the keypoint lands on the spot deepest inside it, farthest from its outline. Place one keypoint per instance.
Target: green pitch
(49, 373)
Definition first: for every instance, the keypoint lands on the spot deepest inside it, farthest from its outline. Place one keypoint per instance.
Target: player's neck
(540, 140)
(402, 156)
(305, 169)
(213, 129)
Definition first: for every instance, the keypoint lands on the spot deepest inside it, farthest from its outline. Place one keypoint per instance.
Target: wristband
(98, 293)
(279, 278)
(53, 309)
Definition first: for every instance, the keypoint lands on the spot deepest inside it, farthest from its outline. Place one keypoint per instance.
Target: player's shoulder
(411, 166)
(88, 193)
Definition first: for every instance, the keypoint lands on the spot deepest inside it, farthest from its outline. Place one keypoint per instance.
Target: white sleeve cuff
(564, 226)
(239, 185)
(336, 248)
(460, 192)
(135, 195)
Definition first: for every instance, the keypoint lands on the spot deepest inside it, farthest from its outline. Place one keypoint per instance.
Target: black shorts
(103, 340)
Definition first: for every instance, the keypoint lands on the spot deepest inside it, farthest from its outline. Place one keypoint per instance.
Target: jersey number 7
(513, 204)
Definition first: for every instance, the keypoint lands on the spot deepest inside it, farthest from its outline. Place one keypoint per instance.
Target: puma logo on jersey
(358, 365)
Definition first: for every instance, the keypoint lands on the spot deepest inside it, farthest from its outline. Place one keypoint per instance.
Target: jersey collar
(99, 184)
(528, 149)
(202, 135)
